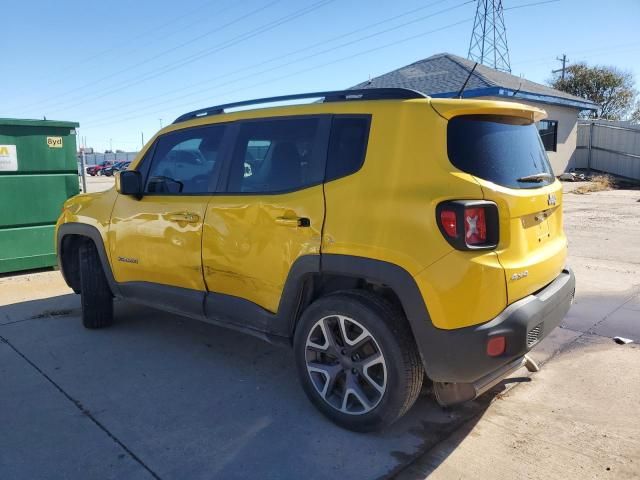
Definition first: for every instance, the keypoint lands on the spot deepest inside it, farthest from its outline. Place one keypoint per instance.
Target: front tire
(357, 360)
(95, 294)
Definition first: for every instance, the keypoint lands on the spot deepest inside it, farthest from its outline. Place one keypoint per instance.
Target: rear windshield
(500, 149)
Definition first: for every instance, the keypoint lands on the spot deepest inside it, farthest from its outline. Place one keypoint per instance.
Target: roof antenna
(519, 87)
(464, 85)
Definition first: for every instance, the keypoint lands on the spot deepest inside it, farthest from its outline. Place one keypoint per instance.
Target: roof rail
(330, 96)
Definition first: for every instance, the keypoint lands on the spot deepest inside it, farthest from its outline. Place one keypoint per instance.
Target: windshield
(501, 149)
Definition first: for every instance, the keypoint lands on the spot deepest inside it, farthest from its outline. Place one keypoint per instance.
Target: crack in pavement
(13, 322)
(82, 409)
(39, 316)
(592, 329)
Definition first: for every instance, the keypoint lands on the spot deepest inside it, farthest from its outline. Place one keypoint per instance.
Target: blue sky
(118, 67)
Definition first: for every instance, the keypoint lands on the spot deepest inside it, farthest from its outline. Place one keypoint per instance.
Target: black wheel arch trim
(91, 232)
(459, 355)
(400, 282)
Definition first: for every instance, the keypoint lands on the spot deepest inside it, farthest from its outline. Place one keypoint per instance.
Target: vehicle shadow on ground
(57, 306)
(195, 400)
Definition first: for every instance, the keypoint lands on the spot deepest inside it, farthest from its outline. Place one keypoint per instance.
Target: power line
(154, 100)
(604, 49)
(327, 63)
(243, 37)
(72, 69)
(145, 33)
(533, 4)
(126, 69)
(280, 57)
(315, 67)
(206, 52)
(307, 57)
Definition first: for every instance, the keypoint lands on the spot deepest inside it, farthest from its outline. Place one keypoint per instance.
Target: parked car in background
(108, 171)
(94, 170)
(390, 238)
(116, 167)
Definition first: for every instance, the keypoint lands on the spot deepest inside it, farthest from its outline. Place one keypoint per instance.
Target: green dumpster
(38, 172)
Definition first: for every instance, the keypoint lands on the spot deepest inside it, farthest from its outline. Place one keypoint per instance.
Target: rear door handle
(293, 221)
(188, 217)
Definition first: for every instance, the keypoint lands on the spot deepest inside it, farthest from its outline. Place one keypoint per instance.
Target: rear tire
(368, 380)
(95, 294)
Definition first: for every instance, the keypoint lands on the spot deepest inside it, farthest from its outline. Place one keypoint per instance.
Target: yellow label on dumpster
(54, 142)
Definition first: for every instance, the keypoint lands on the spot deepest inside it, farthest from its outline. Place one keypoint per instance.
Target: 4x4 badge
(551, 199)
(519, 275)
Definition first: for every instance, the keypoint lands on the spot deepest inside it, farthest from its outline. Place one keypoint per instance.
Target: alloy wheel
(345, 364)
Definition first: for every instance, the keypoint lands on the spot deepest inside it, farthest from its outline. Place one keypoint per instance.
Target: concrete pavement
(179, 398)
(578, 418)
(159, 396)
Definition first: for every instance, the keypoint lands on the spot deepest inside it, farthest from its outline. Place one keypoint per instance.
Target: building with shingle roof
(444, 74)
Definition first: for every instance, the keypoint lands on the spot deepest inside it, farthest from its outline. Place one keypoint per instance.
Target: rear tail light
(469, 224)
(475, 226)
(449, 223)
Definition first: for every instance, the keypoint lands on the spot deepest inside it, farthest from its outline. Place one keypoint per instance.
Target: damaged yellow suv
(390, 238)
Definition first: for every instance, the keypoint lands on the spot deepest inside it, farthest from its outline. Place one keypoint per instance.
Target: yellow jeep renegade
(389, 237)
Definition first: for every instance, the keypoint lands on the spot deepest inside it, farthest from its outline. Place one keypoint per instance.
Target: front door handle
(188, 217)
(293, 221)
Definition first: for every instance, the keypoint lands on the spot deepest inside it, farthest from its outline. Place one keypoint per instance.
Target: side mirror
(129, 182)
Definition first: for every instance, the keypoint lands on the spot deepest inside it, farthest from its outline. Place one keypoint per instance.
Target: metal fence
(96, 158)
(612, 147)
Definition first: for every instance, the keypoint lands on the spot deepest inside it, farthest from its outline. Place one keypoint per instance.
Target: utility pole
(111, 144)
(141, 140)
(83, 165)
(160, 122)
(564, 61)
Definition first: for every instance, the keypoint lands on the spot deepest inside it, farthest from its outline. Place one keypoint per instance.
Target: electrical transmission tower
(489, 37)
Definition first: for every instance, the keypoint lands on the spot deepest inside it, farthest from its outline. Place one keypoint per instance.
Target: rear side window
(277, 155)
(347, 145)
(500, 149)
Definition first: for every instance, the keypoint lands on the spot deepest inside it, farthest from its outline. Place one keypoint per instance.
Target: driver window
(186, 161)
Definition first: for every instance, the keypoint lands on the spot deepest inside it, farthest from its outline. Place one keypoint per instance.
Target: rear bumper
(459, 356)
(453, 393)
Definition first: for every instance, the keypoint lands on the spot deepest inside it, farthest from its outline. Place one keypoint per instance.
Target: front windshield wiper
(536, 178)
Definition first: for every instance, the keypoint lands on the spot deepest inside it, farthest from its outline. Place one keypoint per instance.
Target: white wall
(567, 132)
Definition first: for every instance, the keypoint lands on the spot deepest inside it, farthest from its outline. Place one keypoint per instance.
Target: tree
(611, 88)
